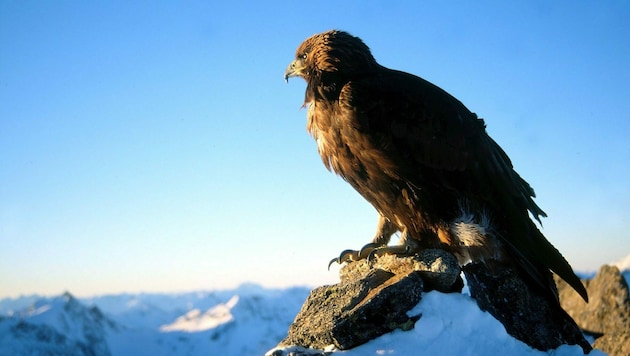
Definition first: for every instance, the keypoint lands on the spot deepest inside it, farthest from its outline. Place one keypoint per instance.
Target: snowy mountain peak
(623, 264)
(68, 315)
(61, 325)
(195, 321)
(67, 296)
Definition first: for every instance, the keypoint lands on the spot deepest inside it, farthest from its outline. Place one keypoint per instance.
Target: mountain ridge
(247, 320)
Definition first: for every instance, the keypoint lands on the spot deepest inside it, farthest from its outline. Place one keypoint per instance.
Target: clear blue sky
(154, 146)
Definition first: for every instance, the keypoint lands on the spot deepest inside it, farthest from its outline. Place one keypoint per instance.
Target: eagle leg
(406, 247)
(384, 231)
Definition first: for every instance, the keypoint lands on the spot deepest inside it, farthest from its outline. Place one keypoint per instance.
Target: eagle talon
(367, 250)
(336, 259)
(345, 256)
(370, 257)
(348, 256)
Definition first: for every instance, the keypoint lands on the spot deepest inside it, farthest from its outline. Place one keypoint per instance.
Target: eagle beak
(290, 72)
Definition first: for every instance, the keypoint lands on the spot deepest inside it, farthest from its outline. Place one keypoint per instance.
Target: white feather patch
(474, 236)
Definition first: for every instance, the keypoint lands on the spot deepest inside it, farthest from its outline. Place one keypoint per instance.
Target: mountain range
(248, 320)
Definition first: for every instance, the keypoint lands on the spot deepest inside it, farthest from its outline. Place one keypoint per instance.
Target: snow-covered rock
(451, 324)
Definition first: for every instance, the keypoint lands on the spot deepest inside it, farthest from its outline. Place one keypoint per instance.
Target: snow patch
(623, 264)
(40, 310)
(195, 321)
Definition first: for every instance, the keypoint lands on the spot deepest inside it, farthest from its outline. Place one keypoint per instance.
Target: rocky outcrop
(526, 315)
(370, 300)
(607, 314)
(373, 299)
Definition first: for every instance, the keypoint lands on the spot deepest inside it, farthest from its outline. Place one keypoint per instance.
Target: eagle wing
(426, 129)
(435, 142)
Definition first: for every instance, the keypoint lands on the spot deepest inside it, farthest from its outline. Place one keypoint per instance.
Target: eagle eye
(304, 55)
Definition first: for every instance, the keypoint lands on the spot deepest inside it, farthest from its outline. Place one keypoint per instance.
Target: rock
(526, 315)
(615, 343)
(373, 298)
(607, 313)
(369, 301)
(349, 314)
(439, 269)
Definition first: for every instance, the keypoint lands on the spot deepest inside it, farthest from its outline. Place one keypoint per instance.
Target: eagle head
(331, 57)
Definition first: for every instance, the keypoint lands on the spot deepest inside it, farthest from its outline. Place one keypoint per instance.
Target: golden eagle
(423, 160)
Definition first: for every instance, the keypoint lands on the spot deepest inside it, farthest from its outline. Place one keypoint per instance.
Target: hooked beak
(292, 71)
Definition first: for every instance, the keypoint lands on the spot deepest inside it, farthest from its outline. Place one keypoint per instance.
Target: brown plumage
(423, 160)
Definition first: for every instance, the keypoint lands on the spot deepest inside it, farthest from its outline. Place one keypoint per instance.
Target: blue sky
(154, 146)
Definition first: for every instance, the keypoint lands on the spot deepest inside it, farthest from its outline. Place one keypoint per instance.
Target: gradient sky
(154, 146)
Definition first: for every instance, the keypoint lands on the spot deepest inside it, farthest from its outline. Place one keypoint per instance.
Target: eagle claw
(369, 251)
(365, 253)
(345, 256)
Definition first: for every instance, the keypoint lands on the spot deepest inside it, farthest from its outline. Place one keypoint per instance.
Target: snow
(623, 264)
(60, 325)
(249, 320)
(195, 321)
(40, 310)
(452, 324)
